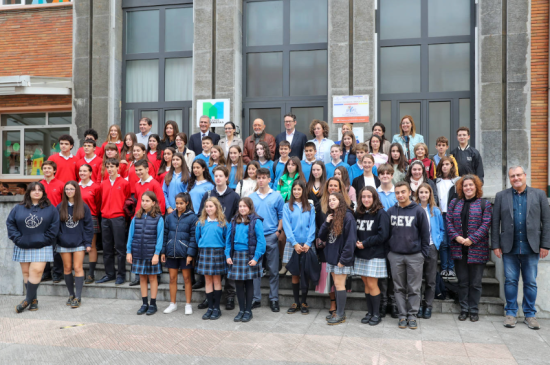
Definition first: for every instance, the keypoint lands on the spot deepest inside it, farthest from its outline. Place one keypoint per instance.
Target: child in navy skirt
(180, 248)
(211, 234)
(244, 248)
(145, 241)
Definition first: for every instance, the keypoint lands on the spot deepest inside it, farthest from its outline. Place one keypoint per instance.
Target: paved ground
(110, 332)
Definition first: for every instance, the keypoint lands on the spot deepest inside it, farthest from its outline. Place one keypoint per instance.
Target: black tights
(245, 292)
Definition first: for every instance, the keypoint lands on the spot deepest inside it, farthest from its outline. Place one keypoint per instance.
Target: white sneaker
(452, 274)
(171, 308)
(188, 309)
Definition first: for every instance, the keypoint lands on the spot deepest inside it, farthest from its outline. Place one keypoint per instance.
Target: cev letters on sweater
(364, 225)
(401, 221)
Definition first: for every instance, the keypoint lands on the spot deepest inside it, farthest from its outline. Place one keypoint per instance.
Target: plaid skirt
(287, 254)
(144, 267)
(97, 227)
(374, 268)
(240, 270)
(60, 249)
(211, 261)
(44, 254)
(347, 270)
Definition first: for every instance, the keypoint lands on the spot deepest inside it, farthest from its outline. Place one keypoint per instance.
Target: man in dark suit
(520, 234)
(297, 139)
(195, 142)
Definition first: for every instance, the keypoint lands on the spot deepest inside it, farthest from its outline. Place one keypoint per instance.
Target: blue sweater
(437, 227)
(197, 193)
(231, 182)
(387, 201)
(268, 165)
(211, 235)
(279, 169)
(306, 169)
(241, 240)
(204, 158)
(176, 186)
(330, 168)
(33, 227)
(270, 209)
(299, 226)
(160, 236)
(211, 170)
(355, 171)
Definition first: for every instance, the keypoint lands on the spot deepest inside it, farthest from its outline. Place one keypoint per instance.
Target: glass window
(60, 118)
(264, 76)
(440, 122)
(11, 153)
(412, 109)
(264, 23)
(178, 32)
(464, 113)
(308, 73)
(142, 31)
(142, 81)
(154, 116)
(308, 21)
(129, 122)
(400, 69)
(176, 116)
(271, 118)
(178, 79)
(446, 18)
(385, 118)
(23, 119)
(449, 67)
(39, 145)
(399, 19)
(304, 116)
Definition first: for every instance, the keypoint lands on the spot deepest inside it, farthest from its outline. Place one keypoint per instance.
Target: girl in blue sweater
(425, 197)
(299, 226)
(76, 231)
(211, 235)
(145, 241)
(175, 181)
(244, 248)
(236, 166)
(199, 183)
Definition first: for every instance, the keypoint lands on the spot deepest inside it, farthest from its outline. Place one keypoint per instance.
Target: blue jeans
(528, 265)
(447, 262)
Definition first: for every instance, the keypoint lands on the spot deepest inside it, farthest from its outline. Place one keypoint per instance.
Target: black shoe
(76, 303)
(336, 320)
(230, 304)
(104, 279)
(238, 317)
(120, 280)
(413, 324)
(135, 281)
(330, 315)
(57, 279)
(216, 314)
(394, 311)
(463, 316)
(34, 305)
(208, 313)
(293, 308)
(427, 313)
(21, 306)
(46, 277)
(144, 308)
(198, 285)
(304, 308)
(375, 320)
(256, 305)
(152, 310)
(275, 306)
(402, 323)
(420, 313)
(247, 317)
(366, 318)
(89, 279)
(474, 317)
(204, 304)
(383, 309)
(69, 301)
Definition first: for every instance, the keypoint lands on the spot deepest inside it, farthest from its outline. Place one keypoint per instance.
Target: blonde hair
(220, 216)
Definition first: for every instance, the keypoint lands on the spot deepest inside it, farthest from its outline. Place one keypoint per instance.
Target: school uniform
(437, 231)
(133, 179)
(349, 158)
(170, 191)
(179, 239)
(197, 192)
(340, 249)
(122, 172)
(152, 156)
(98, 150)
(299, 227)
(211, 169)
(278, 169)
(75, 236)
(91, 195)
(306, 168)
(387, 199)
(245, 242)
(429, 165)
(373, 230)
(66, 167)
(54, 190)
(232, 182)
(268, 164)
(205, 158)
(150, 185)
(229, 200)
(211, 239)
(331, 167)
(355, 170)
(160, 176)
(95, 163)
(361, 181)
(145, 239)
(118, 144)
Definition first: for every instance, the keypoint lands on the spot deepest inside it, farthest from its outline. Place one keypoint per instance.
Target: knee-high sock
(31, 291)
(217, 298)
(69, 281)
(296, 292)
(369, 303)
(91, 272)
(210, 298)
(79, 283)
(239, 288)
(375, 300)
(305, 290)
(249, 292)
(341, 297)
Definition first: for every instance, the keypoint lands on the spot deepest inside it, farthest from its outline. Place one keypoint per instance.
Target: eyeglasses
(70, 189)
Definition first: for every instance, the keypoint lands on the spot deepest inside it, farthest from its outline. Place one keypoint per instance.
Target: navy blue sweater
(179, 235)
(75, 234)
(33, 227)
(229, 201)
(339, 249)
(373, 230)
(409, 230)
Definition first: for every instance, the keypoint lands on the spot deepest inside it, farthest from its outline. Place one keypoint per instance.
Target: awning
(35, 85)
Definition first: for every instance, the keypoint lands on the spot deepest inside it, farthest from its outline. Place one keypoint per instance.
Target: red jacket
(113, 197)
(250, 147)
(54, 190)
(92, 197)
(132, 177)
(80, 153)
(160, 178)
(122, 171)
(66, 168)
(153, 186)
(153, 158)
(429, 165)
(96, 164)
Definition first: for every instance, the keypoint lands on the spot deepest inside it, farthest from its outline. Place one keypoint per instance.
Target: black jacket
(229, 201)
(340, 249)
(195, 141)
(373, 230)
(409, 230)
(359, 183)
(306, 265)
(296, 147)
(469, 162)
(165, 144)
(179, 235)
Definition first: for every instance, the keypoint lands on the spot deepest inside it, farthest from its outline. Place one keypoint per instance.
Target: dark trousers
(469, 284)
(57, 267)
(114, 239)
(430, 269)
(386, 288)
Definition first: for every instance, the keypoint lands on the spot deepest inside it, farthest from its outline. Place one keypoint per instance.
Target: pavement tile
(472, 336)
(486, 361)
(438, 348)
(446, 360)
(488, 351)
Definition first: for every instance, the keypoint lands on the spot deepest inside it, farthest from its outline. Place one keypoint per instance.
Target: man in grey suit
(520, 236)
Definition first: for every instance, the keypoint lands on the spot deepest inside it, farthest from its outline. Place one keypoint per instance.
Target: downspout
(548, 117)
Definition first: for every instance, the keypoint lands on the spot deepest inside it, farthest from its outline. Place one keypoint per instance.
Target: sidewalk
(111, 332)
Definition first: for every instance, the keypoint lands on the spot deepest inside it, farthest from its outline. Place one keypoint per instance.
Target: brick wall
(539, 94)
(19, 101)
(36, 42)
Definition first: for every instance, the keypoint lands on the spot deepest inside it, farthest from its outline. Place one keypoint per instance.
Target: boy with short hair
(357, 169)
(336, 152)
(114, 192)
(442, 144)
(467, 157)
(207, 145)
(309, 151)
(147, 183)
(421, 153)
(91, 159)
(65, 161)
(279, 164)
(90, 134)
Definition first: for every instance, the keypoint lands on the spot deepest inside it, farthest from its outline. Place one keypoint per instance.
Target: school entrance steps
(490, 302)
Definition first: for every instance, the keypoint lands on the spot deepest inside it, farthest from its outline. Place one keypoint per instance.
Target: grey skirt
(346, 270)
(60, 249)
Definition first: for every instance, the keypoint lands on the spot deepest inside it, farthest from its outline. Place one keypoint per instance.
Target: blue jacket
(81, 233)
(247, 237)
(299, 226)
(170, 191)
(179, 235)
(145, 237)
(33, 227)
(211, 235)
(413, 141)
(349, 158)
(197, 193)
(437, 227)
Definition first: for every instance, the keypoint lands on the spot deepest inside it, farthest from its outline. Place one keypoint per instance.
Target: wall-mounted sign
(216, 109)
(350, 109)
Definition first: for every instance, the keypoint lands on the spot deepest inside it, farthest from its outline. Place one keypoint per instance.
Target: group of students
(372, 205)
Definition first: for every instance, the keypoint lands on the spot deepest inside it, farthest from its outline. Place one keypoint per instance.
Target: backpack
(452, 290)
(440, 289)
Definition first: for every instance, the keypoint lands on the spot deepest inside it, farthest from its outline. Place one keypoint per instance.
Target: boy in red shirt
(90, 134)
(114, 192)
(91, 159)
(147, 183)
(421, 153)
(65, 161)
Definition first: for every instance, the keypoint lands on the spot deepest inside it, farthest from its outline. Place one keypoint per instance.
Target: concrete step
(355, 301)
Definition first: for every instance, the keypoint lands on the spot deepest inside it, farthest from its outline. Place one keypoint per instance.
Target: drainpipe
(548, 123)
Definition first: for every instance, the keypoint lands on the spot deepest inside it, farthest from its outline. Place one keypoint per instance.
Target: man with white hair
(259, 135)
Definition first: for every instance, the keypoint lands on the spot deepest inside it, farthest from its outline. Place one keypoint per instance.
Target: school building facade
(69, 66)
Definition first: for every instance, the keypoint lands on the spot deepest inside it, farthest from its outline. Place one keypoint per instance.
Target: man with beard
(258, 136)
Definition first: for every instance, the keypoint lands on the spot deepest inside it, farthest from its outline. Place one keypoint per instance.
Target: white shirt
(290, 137)
(369, 181)
(248, 187)
(90, 160)
(443, 187)
(211, 220)
(263, 196)
(152, 152)
(200, 182)
(113, 181)
(90, 183)
(392, 190)
(146, 181)
(221, 192)
(204, 134)
(429, 224)
(66, 158)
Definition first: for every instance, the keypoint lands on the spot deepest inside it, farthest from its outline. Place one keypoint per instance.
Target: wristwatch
(280, 231)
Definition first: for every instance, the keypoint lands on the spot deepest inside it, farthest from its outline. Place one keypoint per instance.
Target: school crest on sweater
(32, 221)
(70, 223)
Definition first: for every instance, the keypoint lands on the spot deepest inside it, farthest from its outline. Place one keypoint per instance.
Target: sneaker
(239, 317)
(89, 279)
(188, 309)
(413, 324)
(34, 305)
(75, 303)
(247, 317)
(402, 323)
(69, 301)
(21, 306)
(452, 274)
(336, 320)
(304, 308)
(283, 271)
(152, 310)
(293, 308)
(444, 273)
(532, 323)
(171, 308)
(510, 322)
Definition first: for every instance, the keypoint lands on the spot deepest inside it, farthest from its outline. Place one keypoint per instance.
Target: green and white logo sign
(216, 109)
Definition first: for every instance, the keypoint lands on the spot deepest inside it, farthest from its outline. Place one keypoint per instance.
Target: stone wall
(11, 279)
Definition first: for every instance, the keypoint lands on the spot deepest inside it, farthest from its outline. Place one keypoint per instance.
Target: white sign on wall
(216, 109)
